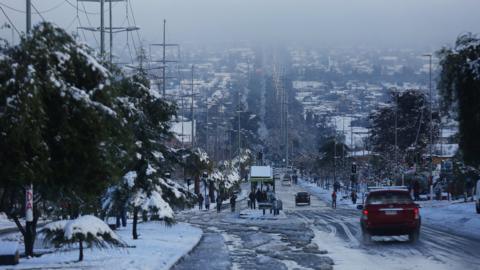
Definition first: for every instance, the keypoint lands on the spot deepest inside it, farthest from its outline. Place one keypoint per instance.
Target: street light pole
(431, 123)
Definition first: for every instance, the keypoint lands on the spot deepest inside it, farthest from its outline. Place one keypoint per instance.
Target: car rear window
(389, 198)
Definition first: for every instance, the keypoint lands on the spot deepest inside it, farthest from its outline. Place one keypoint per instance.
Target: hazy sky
(343, 23)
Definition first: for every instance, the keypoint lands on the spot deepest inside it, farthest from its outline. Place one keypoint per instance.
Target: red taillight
(365, 214)
(416, 213)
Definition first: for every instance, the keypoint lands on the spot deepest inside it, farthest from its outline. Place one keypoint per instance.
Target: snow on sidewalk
(6, 223)
(455, 216)
(158, 247)
(258, 214)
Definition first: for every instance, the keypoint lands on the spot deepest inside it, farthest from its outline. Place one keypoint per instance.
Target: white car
(477, 196)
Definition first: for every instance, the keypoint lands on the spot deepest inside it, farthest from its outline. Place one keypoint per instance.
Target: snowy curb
(194, 246)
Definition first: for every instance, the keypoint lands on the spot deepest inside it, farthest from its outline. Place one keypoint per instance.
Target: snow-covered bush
(89, 229)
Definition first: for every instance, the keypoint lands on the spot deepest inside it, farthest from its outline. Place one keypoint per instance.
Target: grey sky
(343, 23)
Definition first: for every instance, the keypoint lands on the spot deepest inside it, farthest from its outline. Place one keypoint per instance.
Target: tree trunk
(29, 238)
(80, 256)
(197, 184)
(134, 225)
(3, 199)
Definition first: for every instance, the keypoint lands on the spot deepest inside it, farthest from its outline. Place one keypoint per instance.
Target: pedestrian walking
(219, 204)
(200, 201)
(354, 197)
(416, 190)
(233, 199)
(258, 196)
(207, 203)
(334, 199)
(251, 196)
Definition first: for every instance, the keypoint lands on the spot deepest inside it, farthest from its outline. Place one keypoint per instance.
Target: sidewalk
(458, 216)
(158, 247)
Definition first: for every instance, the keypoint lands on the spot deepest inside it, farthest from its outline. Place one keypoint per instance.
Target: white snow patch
(87, 225)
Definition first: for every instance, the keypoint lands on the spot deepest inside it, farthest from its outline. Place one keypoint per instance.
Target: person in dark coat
(354, 197)
(233, 199)
(219, 203)
(200, 201)
(251, 196)
(334, 199)
(258, 196)
(207, 204)
(416, 190)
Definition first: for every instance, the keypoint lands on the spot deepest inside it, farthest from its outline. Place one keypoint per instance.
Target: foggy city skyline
(346, 23)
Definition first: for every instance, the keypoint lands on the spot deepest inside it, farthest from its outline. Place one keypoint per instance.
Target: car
(477, 197)
(390, 212)
(286, 180)
(302, 198)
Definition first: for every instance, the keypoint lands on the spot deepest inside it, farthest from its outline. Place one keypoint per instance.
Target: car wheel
(478, 209)
(414, 236)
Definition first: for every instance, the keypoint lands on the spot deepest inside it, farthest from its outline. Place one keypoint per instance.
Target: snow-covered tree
(196, 162)
(459, 88)
(55, 116)
(146, 116)
(88, 229)
(411, 110)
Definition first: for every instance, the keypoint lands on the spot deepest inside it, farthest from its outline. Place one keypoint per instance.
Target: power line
(12, 8)
(10, 21)
(84, 10)
(43, 11)
(134, 21)
(53, 8)
(39, 14)
(90, 24)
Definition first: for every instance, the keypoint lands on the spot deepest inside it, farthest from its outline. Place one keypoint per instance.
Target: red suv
(389, 212)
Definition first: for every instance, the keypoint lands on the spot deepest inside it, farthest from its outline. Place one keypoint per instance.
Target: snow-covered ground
(343, 198)
(258, 214)
(158, 247)
(5, 223)
(454, 216)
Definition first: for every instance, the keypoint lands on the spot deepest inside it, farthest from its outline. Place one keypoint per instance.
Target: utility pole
(164, 61)
(206, 126)
(335, 157)
(431, 123)
(111, 29)
(286, 124)
(192, 111)
(29, 16)
(239, 123)
(192, 107)
(396, 133)
(102, 28)
(29, 232)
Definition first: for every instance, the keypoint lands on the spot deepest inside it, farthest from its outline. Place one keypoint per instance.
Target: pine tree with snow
(85, 229)
(196, 163)
(55, 116)
(143, 188)
(459, 88)
(411, 110)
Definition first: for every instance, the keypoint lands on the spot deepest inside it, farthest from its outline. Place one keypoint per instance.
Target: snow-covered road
(338, 231)
(313, 237)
